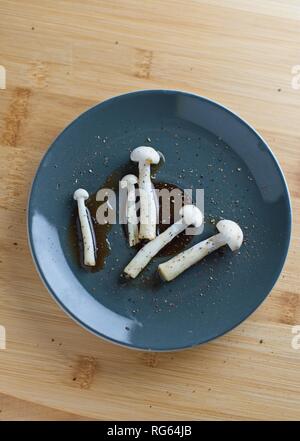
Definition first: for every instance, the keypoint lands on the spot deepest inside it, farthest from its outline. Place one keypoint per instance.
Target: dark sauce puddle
(101, 231)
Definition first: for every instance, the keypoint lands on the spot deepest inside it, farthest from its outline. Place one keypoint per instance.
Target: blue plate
(205, 146)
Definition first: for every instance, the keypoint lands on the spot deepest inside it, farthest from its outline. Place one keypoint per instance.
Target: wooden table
(62, 57)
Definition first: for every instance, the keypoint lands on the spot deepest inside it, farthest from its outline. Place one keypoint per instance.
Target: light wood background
(63, 56)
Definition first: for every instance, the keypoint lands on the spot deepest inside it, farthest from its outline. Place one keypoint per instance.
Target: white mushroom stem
(129, 182)
(191, 215)
(230, 234)
(147, 203)
(89, 252)
(146, 156)
(178, 264)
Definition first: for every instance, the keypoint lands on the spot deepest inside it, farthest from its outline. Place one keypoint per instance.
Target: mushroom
(191, 215)
(89, 248)
(146, 156)
(229, 234)
(129, 182)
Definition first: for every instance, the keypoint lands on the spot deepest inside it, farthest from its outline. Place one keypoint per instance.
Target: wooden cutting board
(60, 58)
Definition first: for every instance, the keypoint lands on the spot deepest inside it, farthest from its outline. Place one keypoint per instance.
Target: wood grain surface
(60, 58)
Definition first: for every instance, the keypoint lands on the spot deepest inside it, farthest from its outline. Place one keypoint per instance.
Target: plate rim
(167, 92)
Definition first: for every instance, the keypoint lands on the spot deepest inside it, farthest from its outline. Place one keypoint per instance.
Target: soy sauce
(102, 231)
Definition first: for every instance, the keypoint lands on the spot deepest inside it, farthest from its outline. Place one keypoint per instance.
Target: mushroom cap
(128, 179)
(191, 215)
(80, 193)
(143, 153)
(232, 233)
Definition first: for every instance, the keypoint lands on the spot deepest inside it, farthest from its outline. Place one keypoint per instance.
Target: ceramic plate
(205, 146)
